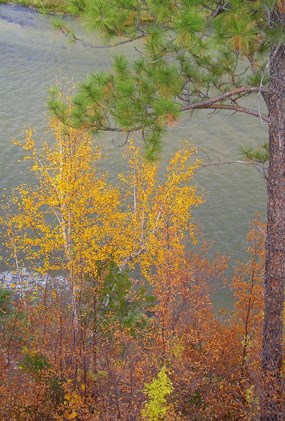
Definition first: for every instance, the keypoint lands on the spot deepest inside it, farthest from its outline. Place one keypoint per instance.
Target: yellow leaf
(72, 416)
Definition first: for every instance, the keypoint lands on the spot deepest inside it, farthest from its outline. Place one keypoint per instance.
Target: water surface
(34, 57)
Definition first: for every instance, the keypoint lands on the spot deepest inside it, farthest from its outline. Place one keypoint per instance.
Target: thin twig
(68, 34)
(260, 168)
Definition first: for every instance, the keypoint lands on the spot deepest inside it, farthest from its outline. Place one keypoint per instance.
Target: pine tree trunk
(275, 247)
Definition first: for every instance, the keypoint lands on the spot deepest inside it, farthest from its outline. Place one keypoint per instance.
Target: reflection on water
(34, 57)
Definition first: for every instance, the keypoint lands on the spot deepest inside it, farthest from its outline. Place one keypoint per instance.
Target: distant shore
(43, 6)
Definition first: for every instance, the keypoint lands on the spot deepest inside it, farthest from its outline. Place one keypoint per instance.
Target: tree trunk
(275, 247)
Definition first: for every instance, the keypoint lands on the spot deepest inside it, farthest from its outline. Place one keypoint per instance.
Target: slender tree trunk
(275, 247)
(94, 329)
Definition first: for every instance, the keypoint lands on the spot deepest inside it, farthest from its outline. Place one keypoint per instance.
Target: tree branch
(68, 34)
(119, 129)
(215, 103)
(237, 108)
(260, 167)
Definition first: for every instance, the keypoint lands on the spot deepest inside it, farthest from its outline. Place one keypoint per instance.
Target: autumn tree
(197, 54)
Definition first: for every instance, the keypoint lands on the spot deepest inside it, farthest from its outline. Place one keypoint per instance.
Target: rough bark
(275, 247)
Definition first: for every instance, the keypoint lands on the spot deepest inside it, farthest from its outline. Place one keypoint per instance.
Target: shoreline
(44, 7)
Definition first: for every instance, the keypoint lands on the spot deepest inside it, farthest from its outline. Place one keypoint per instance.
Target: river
(35, 57)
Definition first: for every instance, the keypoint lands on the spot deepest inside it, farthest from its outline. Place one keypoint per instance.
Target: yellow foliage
(75, 217)
(158, 212)
(157, 408)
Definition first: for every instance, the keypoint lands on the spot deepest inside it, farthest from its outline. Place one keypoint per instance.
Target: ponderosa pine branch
(215, 103)
(236, 108)
(69, 34)
(120, 130)
(211, 103)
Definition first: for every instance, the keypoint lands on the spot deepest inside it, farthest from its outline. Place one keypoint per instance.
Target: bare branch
(237, 108)
(68, 34)
(120, 130)
(215, 103)
(261, 168)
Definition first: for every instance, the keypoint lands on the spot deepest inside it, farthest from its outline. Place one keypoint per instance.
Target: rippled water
(34, 57)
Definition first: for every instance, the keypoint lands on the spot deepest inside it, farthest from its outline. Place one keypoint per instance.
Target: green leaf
(121, 65)
(166, 111)
(188, 25)
(258, 155)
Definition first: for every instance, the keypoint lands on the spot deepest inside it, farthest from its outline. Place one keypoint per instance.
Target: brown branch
(118, 129)
(68, 34)
(223, 97)
(259, 166)
(215, 103)
(237, 108)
